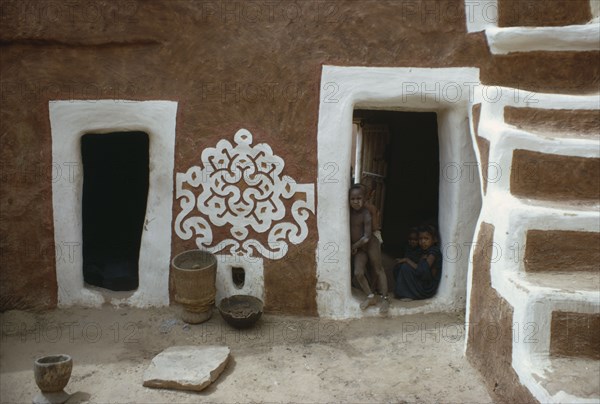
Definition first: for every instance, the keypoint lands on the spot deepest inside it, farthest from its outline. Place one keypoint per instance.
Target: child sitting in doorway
(363, 247)
(420, 280)
(412, 253)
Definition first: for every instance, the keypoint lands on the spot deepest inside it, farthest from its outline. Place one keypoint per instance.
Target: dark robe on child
(421, 282)
(413, 254)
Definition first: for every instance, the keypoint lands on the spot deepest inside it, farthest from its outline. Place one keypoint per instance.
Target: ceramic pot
(241, 311)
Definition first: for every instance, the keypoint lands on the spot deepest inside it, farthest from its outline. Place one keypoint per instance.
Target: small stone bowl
(241, 311)
(52, 373)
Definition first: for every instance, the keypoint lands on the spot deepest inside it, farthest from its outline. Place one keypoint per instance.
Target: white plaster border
(408, 89)
(528, 39)
(595, 9)
(69, 120)
(482, 15)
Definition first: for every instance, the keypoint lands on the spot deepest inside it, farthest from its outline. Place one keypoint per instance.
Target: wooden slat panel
(375, 142)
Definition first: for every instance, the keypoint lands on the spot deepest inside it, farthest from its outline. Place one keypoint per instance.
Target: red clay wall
(535, 13)
(489, 346)
(229, 65)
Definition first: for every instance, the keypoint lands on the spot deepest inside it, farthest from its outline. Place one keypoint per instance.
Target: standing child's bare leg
(360, 267)
(374, 251)
(385, 304)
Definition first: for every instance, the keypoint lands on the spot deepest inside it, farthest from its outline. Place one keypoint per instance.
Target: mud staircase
(542, 202)
(539, 156)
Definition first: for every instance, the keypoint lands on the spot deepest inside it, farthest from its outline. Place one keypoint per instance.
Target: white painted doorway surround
(447, 91)
(69, 120)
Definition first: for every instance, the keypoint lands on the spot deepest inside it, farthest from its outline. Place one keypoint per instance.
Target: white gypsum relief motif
(242, 187)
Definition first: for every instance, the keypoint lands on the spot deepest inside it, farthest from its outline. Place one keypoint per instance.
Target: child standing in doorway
(379, 278)
(363, 242)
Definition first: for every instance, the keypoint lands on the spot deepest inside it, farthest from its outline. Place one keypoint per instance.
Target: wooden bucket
(194, 275)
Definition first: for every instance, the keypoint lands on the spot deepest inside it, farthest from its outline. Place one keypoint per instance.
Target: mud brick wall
(575, 335)
(554, 177)
(555, 122)
(560, 250)
(490, 336)
(229, 65)
(533, 13)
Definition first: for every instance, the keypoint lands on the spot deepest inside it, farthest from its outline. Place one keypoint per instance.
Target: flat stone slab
(186, 367)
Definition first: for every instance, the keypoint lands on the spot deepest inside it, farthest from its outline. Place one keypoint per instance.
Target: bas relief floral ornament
(242, 187)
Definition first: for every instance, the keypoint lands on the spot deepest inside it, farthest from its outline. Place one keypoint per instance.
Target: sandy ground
(283, 359)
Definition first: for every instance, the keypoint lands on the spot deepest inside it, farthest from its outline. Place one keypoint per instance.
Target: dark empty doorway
(115, 191)
(403, 153)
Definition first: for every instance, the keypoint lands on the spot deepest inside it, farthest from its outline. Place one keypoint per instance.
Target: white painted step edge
(527, 39)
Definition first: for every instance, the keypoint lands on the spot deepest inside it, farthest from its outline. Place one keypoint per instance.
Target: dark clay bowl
(241, 311)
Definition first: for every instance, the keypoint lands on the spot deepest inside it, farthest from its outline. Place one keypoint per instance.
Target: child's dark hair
(359, 187)
(429, 229)
(413, 230)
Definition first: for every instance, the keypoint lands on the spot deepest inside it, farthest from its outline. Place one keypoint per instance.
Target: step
(525, 113)
(575, 335)
(505, 139)
(555, 123)
(568, 380)
(536, 167)
(500, 133)
(512, 13)
(548, 251)
(528, 39)
(579, 206)
(548, 292)
(546, 358)
(558, 177)
(552, 283)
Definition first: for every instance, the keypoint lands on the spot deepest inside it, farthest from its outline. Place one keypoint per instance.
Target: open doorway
(405, 89)
(115, 192)
(397, 154)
